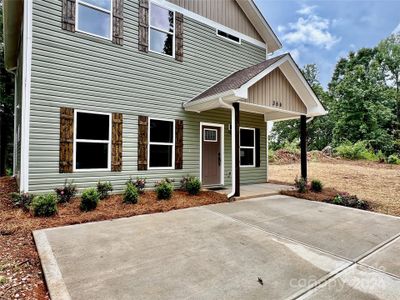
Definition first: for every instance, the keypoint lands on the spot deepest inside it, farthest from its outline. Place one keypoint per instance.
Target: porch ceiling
(240, 86)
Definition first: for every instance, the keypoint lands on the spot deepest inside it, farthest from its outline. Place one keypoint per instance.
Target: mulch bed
(20, 270)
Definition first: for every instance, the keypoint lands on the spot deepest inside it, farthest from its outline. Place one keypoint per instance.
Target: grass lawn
(377, 183)
(20, 270)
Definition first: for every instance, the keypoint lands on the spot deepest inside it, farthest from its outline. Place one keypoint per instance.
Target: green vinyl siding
(83, 72)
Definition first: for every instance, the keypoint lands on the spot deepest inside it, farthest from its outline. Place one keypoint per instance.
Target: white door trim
(222, 148)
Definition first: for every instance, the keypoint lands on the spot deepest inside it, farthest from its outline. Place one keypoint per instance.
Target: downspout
(310, 119)
(233, 142)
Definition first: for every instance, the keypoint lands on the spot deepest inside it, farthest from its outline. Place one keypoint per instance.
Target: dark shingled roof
(237, 79)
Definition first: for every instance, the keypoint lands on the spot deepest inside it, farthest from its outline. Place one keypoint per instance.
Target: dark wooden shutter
(178, 36)
(117, 123)
(258, 150)
(66, 139)
(143, 25)
(118, 22)
(68, 15)
(178, 144)
(142, 142)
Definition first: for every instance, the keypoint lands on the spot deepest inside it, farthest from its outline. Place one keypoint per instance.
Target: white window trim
(76, 111)
(248, 147)
(228, 39)
(216, 135)
(162, 144)
(162, 30)
(84, 3)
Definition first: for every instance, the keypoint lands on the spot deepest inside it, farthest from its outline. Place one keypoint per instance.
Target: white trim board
(222, 149)
(26, 95)
(209, 22)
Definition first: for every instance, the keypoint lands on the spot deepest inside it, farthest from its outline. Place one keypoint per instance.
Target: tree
(7, 104)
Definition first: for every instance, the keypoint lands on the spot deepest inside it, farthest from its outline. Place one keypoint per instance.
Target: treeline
(363, 101)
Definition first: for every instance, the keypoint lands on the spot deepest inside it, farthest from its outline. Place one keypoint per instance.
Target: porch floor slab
(248, 191)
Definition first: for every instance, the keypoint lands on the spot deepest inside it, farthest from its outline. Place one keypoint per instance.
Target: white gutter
(310, 119)
(233, 141)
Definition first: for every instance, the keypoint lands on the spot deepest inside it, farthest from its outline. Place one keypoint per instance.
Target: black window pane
(228, 36)
(246, 157)
(160, 156)
(162, 18)
(91, 155)
(92, 126)
(161, 131)
(161, 42)
(246, 137)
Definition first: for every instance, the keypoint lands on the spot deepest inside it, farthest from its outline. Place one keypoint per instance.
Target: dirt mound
(284, 156)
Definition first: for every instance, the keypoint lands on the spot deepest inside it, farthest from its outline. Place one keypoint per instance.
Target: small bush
(300, 184)
(66, 192)
(131, 193)
(316, 186)
(44, 205)
(271, 155)
(393, 159)
(89, 199)
(355, 151)
(164, 189)
(191, 184)
(350, 201)
(104, 188)
(22, 200)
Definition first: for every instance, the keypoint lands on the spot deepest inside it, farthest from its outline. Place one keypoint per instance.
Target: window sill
(93, 37)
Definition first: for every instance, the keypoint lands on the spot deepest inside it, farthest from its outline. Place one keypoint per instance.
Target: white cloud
(295, 54)
(312, 30)
(397, 29)
(306, 10)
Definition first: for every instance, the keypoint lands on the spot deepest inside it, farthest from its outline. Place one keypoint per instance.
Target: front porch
(275, 89)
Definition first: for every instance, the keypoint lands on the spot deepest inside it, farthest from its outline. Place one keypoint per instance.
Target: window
(228, 36)
(210, 135)
(247, 147)
(162, 30)
(161, 144)
(94, 17)
(92, 141)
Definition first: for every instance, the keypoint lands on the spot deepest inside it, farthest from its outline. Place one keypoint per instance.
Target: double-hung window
(92, 142)
(161, 144)
(94, 17)
(162, 30)
(247, 147)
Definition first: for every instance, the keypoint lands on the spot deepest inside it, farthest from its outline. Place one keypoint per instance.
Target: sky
(322, 31)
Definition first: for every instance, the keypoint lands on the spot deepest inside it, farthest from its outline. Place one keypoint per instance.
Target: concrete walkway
(248, 191)
(269, 248)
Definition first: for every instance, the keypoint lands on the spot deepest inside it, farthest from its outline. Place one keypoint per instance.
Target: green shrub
(271, 155)
(349, 200)
(89, 199)
(22, 200)
(164, 189)
(131, 193)
(103, 188)
(66, 192)
(300, 184)
(291, 147)
(355, 151)
(316, 185)
(140, 183)
(44, 205)
(393, 159)
(191, 184)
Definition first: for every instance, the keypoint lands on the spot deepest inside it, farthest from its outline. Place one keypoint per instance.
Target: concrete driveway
(275, 247)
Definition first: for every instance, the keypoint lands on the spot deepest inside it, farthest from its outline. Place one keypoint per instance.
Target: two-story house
(109, 89)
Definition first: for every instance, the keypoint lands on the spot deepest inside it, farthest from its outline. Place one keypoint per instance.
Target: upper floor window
(162, 30)
(94, 17)
(228, 36)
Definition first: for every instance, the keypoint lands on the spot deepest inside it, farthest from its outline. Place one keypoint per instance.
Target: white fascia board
(215, 97)
(209, 22)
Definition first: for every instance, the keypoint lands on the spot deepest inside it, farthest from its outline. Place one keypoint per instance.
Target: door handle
(219, 158)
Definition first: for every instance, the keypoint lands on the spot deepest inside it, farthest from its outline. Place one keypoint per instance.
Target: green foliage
(22, 200)
(164, 189)
(44, 205)
(271, 155)
(393, 159)
(300, 184)
(354, 151)
(140, 183)
(191, 184)
(345, 199)
(316, 186)
(104, 188)
(66, 192)
(131, 194)
(89, 199)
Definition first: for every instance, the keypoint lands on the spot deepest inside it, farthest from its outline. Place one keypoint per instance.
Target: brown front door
(211, 159)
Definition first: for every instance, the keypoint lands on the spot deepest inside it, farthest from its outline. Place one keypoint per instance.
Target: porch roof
(236, 88)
